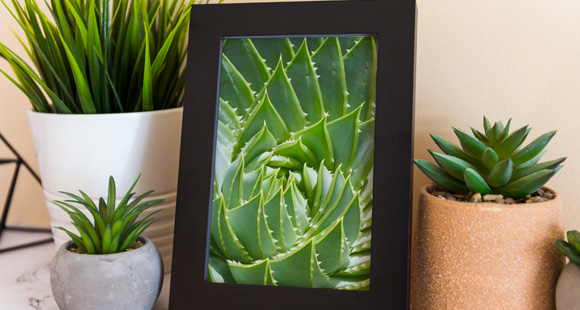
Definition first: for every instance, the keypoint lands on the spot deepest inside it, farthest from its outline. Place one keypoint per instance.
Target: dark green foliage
(101, 56)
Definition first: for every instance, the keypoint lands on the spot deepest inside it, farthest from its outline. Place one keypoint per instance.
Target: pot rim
(146, 242)
(31, 112)
(493, 206)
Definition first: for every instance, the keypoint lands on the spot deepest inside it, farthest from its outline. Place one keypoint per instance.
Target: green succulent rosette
(292, 196)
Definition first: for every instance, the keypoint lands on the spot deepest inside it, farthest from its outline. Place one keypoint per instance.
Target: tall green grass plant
(101, 56)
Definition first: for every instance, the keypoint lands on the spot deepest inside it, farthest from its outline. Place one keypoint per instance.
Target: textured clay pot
(568, 288)
(127, 280)
(485, 255)
(81, 151)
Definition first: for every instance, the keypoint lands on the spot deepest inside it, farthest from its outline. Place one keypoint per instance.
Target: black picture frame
(393, 22)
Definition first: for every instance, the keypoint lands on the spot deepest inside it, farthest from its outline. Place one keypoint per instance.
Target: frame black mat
(393, 23)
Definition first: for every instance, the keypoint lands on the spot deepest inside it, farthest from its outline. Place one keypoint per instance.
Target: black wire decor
(18, 162)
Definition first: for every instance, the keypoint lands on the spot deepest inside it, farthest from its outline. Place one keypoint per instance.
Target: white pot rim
(37, 114)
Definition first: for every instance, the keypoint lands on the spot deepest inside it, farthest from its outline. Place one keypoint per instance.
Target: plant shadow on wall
(292, 194)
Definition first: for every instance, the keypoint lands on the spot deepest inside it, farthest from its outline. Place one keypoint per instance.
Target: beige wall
(503, 59)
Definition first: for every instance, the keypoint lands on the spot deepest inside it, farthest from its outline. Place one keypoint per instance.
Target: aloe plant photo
(293, 172)
(114, 228)
(100, 56)
(494, 161)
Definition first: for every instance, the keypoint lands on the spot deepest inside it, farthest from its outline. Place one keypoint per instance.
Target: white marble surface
(25, 278)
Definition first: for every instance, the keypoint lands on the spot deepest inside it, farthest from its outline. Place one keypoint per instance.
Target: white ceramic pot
(568, 288)
(127, 280)
(81, 151)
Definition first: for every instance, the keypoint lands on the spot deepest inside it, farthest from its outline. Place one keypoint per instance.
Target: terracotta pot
(485, 255)
(568, 288)
(127, 280)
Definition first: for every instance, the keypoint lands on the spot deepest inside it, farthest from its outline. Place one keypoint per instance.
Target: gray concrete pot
(128, 280)
(568, 288)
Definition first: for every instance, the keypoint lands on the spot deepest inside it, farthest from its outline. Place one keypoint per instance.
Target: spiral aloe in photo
(293, 171)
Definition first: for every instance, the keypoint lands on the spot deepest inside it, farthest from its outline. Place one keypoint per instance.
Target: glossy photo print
(293, 162)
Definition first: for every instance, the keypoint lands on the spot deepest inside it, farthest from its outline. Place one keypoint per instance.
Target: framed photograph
(295, 170)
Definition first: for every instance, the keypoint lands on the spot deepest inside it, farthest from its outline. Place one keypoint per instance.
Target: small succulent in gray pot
(108, 264)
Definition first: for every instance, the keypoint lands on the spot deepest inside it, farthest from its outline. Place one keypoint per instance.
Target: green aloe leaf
(454, 166)
(330, 68)
(234, 89)
(469, 143)
(486, 125)
(243, 55)
(511, 142)
(274, 49)
(304, 80)
(317, 139)
(332, 248)
(284, 99)
(552, 164)
(299, 268)
(219, 270)
(451, 149)
(526, 185)
(501, 173)
(574, 239)
(567, 249)
(532, 149)
(441, 177)
(343, 133)
(360, 73)
(475, 182)
(258, 274)
(480, 136)
(264, 113)
(489, 158)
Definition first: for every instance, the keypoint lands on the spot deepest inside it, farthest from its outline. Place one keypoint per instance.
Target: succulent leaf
(361, 75)
(574, 239)
(501, 173)
(489, 158)
(450, 149)
(441, 177)
(235, 88)
(552, 164)
(481, 137)
(302, 75)
(284, 99)
(274, 49)
(526, 185)
(533, 149)
(475, 182)
(453, 165)
(330, 68)
(486, 125)
(469, 143)
(511, 142)
(570, 250)
(245, 58)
